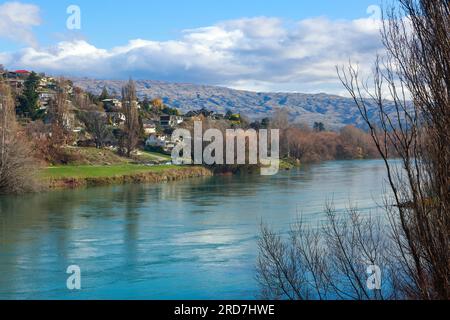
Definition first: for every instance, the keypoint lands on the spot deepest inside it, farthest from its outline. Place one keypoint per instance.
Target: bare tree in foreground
(414, 248)
(16, 165)
(328, 262)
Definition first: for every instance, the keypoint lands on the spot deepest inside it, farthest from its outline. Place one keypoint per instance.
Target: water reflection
(190, 239)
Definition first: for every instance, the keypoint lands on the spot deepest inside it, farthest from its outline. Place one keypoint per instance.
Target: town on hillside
(103, 121)
(66, 124)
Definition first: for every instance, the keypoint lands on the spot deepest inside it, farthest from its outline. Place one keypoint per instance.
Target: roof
(21, 71)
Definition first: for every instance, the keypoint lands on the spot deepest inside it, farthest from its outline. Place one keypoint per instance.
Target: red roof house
(22, 72)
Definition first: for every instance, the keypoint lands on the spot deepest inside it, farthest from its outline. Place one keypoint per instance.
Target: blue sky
(248, 44)
(108, 23)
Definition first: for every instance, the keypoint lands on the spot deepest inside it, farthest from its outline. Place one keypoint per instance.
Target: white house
(149, 127)
(116, 118)
(161, 141)
(45, 98)
(157, 141)
(170, 121)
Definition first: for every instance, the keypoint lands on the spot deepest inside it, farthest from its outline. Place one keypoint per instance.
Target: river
(192, 239)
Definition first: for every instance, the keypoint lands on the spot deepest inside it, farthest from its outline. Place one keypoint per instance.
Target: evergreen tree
(319, 127)
(104, 95)
(29, 100)
(146, 105)
(265, 123)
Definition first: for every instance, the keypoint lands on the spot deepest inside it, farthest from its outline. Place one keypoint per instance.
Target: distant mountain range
(334, 111)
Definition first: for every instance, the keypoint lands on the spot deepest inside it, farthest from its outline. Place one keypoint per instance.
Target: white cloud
(17, 20)
(257, 54)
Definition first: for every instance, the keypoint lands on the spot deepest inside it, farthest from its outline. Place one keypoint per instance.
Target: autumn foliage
(308, 145)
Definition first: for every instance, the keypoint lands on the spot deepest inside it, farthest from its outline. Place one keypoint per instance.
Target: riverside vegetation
(56, 135)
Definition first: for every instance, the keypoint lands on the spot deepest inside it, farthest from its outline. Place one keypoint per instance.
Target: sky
(258, 45)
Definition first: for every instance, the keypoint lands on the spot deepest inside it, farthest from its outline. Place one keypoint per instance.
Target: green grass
(153, 156)
(85, 156)
(63, 172)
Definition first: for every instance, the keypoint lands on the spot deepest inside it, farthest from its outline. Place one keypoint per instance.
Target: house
(161, 141)
(47, 83)
(116, 118)
(15, 84)
(112, 105)
(156, 140)
(204, 114)
(199, 113)
(45, 98)
(169, 122)
(20, 73)
(149, 127)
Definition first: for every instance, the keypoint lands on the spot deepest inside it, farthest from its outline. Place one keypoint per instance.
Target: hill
(334, 111)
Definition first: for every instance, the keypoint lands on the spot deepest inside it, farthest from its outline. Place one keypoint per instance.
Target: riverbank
(71, 177)
(109, 169)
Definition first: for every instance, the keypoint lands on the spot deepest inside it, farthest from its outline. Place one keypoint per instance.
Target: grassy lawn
(82, 156)
(153, 156)
(100, 171)
(92, 156)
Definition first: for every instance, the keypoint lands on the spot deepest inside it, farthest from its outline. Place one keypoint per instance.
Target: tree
(58, 117)
(157, 104)
(29, 100)
(130, 135)
(104, 95)
(265, 123)
(228, 114)
(280, 121)
(418, 62)
(85, 102)
(146, 105)
(16, 165)
(96, 124)
(414, 248)
(319, 127)
(170, 111)
(355, 143)
(256, 125)
(328, 262)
